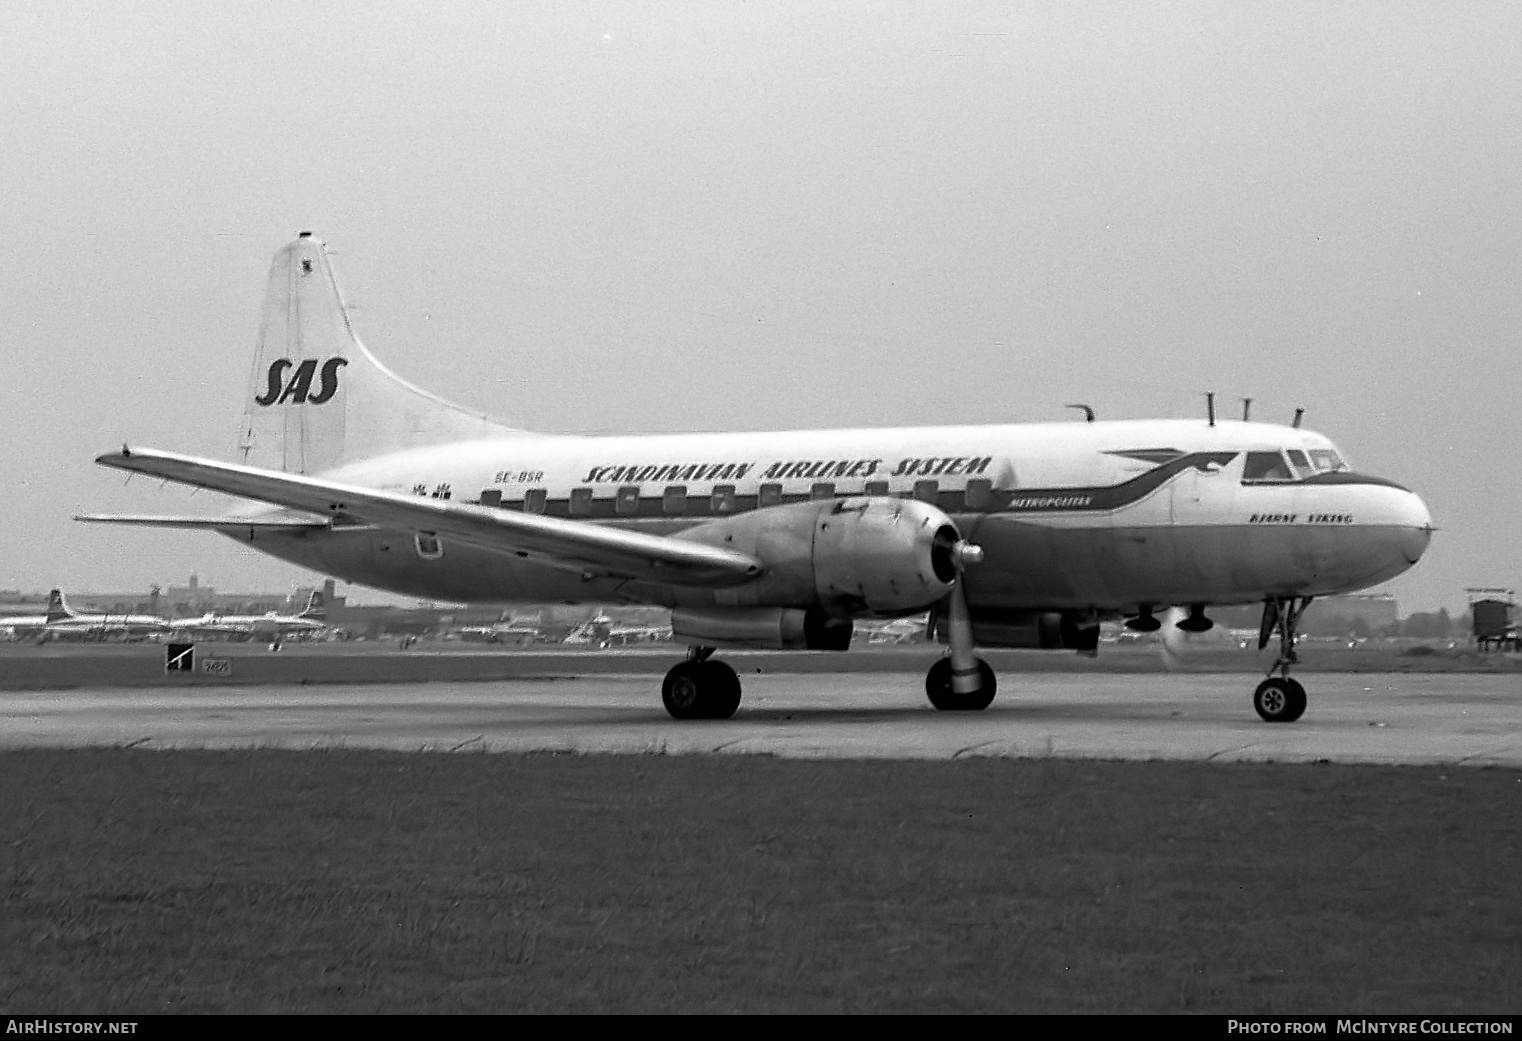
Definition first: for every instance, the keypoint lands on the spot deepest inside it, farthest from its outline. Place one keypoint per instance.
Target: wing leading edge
(567, 544)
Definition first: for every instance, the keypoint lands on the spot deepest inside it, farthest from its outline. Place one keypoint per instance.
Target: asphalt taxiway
(1386, 718)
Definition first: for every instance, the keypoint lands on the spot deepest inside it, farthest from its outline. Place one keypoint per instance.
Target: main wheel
(701, 690)
(938, 688)
(722, 687)
(1279, 700)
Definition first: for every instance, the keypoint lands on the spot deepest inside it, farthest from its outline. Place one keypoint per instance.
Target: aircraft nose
(1415, 523)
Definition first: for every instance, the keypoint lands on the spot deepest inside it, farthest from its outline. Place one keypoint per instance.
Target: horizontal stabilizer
(204, 523)
(573, 545)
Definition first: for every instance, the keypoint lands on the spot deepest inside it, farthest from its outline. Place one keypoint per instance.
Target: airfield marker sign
(179, 657)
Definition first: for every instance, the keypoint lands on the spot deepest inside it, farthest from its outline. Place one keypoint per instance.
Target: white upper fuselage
(1071, 515)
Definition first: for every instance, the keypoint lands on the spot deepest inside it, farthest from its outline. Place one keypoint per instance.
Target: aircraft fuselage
(1069, 515)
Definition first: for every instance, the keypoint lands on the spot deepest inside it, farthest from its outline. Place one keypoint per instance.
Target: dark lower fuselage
(1027, 564)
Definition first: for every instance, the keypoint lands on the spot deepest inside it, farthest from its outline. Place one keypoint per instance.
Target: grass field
(347, 881)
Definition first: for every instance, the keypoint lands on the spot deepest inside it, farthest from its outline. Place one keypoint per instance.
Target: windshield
(1265, 466)
(1298, 460)
(1326, 460)
(1292, 464)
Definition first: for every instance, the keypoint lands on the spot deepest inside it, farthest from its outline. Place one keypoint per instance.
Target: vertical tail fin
(316, 607)
(58, 607)
(317, 398)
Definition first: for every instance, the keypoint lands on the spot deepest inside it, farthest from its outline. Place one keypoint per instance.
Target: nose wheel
(1280, 698)
(961, 681)
(944, 695)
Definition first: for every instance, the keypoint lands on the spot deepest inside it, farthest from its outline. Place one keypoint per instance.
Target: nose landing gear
(1281, 699)
(961, 681)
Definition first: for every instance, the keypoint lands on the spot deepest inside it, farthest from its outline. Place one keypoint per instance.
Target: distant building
(1492, 611)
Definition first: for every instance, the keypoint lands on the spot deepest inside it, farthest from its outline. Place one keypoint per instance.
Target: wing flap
(576, 545)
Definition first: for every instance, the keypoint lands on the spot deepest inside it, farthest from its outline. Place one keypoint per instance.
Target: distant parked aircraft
(512, 632)
(602, 631)
(270, 626)
(63, 623)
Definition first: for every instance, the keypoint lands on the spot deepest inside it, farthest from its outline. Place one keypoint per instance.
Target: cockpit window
(1326, 459)
(1266, 466)
(1298, 460)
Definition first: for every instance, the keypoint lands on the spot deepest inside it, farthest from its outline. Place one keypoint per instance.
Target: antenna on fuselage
(1299, 415)
(1088, 412)
(1210, 406)
(1246, 409)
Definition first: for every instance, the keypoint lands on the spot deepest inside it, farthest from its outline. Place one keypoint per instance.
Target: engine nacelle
(1030, 630)
(853, 556)
(761, 628)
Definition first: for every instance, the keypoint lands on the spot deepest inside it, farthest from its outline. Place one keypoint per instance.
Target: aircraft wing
(554, 541)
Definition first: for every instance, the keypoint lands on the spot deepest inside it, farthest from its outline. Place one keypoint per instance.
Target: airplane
(1013, 535)
(508, 631)
(898, 630)
(23, 626)
(62, 622)
(270, 626)
(602, 631)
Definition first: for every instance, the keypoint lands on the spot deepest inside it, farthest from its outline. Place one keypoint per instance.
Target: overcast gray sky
(623, 217)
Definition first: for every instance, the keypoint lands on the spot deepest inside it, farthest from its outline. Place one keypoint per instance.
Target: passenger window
(876, 488)
(581, 502)
(627, 500)
(533, 500)
(927, 491)
(491, 496)
(428, 546)
(723, 499)
(979, 493)
(771, 495)
(674, 499)
(1265, 466)
(823, 490)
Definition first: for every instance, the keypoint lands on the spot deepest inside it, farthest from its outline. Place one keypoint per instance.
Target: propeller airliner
(1015, 535)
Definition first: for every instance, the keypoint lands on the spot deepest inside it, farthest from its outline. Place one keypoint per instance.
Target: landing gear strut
(701, 687)
(1281, 699)
(961, 681)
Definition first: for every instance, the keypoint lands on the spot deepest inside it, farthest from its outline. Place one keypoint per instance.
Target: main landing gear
(704, 688)
(1281, 699)
(701, 687)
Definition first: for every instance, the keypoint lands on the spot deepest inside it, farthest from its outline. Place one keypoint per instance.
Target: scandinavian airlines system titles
(639, 473)
(789, 470)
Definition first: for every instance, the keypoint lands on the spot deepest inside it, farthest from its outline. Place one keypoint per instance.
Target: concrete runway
(1459, 719)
